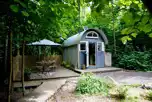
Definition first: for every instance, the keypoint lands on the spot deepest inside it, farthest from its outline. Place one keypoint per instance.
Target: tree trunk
(5, 58)
(114, 36)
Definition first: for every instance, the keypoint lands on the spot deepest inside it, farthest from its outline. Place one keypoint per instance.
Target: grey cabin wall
(71, 55)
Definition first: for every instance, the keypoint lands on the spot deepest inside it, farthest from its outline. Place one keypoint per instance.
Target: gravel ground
(66, 92)
(129, 77)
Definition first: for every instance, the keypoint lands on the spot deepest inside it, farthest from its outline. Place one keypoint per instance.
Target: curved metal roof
(75, 39)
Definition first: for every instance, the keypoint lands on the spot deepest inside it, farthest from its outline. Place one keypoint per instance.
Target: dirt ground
(66, 94)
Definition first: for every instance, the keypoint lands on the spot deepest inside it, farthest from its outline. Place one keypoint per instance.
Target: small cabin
(86, 49)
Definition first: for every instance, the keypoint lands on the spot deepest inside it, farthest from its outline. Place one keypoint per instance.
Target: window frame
(82, 42)
(92, 33)
(102, 46)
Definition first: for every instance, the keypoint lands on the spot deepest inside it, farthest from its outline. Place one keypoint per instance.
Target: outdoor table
(46, 64)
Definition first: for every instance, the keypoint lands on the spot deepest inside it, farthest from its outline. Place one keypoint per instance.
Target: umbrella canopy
(44, 42)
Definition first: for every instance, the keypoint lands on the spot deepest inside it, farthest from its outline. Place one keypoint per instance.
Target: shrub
(89, 84)
(131, 99)
(27, 70)
(122, 92)
(66, 64)
(63, 63)
(149, 95)
(141, 61)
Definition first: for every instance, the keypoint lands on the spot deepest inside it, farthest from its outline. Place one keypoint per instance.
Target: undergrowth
(89, 84)
(149, 95)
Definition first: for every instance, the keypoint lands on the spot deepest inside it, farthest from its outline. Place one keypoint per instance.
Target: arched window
(92, 34)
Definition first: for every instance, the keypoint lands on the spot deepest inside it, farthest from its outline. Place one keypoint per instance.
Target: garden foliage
(141, 61)
(89, 84)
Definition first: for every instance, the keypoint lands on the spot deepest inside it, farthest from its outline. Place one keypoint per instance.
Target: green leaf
(41, 2)
(125, 39)
(29, 22)
(14, 8)
(21, 3)
(145, 20)
(150, 21)
(134, 35)
(136, 2)
(147, 28)
(124, 31)
(128, 18)
(128, 31)
(150, 35)
(25, 13)
(16, 0)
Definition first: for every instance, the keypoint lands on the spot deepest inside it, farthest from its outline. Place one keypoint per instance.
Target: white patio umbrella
(44, 42)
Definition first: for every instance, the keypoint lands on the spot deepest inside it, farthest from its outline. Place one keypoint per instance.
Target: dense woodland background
(127, 24)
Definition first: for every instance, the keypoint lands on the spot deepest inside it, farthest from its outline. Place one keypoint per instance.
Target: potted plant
(27, 72)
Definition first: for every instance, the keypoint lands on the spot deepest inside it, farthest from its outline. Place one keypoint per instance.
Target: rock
(135, 92)
(64, 88)
(69, 86)
(147, 86)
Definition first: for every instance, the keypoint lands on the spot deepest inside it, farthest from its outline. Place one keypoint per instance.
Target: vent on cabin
(85, 28)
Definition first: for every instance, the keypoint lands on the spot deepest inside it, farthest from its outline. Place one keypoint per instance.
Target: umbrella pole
(39, 52)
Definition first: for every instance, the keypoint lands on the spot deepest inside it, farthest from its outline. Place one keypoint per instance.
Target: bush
(89, 84)
(63, 63)
(149, 95)
(27, 70)
(141, 61)
(66, 64)
(122, 92)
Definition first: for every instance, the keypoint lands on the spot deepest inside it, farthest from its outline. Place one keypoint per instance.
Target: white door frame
(94, 52)
(87, 51)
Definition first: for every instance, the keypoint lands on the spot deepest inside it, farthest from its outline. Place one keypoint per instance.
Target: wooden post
(22, 70)
(10, 67)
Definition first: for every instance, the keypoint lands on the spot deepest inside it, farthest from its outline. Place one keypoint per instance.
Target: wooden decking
(58, 73)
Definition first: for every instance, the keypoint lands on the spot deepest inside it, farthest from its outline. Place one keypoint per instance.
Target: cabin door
(92, 54)
(83, 54)
(100, 55)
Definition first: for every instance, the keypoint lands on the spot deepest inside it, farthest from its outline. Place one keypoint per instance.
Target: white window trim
(87, 52)
(92, 35)
(80, 45)
(102, 45)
